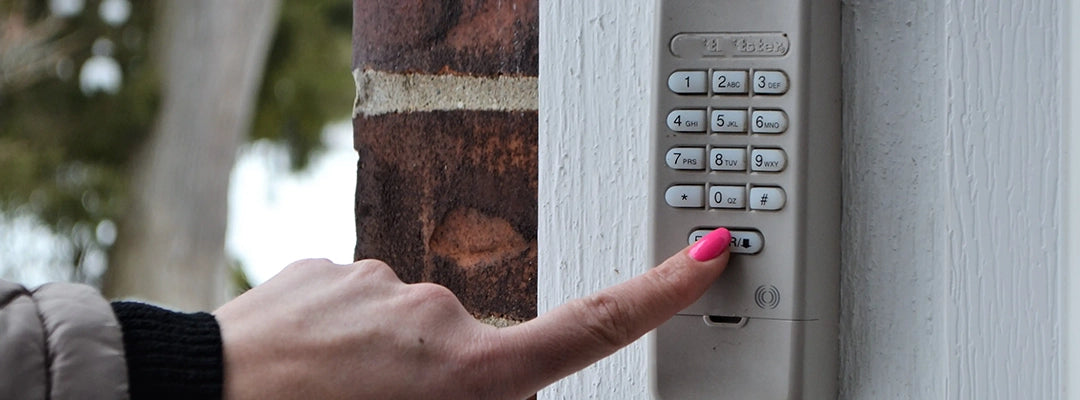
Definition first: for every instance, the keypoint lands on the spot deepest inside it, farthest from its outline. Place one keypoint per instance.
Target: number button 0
(727, 197)
(729, 82)
(687, 82)
(729, 121)
(725, 159)
(686, 121)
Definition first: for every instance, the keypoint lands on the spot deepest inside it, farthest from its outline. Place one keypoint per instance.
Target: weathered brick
(450, 197)
(472, 37)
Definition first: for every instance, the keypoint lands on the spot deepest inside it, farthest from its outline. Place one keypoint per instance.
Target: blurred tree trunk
(171, 246)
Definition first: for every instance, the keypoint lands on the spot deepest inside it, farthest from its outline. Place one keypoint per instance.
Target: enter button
(742, 242)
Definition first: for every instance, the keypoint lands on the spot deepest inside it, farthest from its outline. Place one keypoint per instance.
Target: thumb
(585, 330)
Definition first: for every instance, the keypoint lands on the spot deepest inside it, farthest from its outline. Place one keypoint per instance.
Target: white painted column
(594, 72)
(893, 276)
(953, 189)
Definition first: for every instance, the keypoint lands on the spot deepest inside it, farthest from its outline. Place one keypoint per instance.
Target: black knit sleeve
(170, 355)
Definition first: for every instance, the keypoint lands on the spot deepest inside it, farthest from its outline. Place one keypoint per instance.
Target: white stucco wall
(953, 190)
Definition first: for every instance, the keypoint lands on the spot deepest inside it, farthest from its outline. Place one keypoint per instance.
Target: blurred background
(173, 151)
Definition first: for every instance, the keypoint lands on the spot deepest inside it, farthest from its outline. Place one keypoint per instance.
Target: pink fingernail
(711, 246)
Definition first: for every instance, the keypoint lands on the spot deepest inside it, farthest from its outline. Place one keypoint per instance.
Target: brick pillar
(445, 125)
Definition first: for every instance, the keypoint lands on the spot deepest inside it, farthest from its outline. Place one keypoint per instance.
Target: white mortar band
(379, 93)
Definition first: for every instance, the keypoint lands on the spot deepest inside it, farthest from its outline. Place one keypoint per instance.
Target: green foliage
(63, 153)
(307, 81)
(65, 156)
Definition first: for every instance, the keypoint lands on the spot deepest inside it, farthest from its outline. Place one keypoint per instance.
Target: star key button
(685, 196)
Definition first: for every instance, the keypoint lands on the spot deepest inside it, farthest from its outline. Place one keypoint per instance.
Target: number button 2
(729, 82)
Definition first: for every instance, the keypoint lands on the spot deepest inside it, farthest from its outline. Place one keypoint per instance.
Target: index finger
(585, 330)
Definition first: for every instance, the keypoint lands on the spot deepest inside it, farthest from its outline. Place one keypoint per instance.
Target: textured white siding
(1071, 263)
(1003, 182)
(953, 190)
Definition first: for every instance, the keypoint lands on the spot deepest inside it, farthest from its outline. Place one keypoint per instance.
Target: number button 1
(729, 82)
(687, 82)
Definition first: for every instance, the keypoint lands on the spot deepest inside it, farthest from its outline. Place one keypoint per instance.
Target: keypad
(717, 176)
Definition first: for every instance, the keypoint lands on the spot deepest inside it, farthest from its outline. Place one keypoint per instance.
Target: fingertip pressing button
(742, 241)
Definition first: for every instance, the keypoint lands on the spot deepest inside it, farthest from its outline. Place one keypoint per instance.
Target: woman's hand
(319, 330)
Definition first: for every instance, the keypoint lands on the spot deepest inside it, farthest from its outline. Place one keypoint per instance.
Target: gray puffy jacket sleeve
(59, 342)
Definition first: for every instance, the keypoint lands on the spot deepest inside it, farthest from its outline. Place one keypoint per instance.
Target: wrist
(170, 354)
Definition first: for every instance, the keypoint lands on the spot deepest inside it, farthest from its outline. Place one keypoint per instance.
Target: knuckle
(606, 319)
(433, 293)
(668, 283)
(306, 264)
(372, 269)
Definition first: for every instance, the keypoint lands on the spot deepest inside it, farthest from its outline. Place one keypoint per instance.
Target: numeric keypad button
(692, 158)
(685, 196)
(727, 197)
(767, 160)
(686, 120)
(768, 121)
(767, 198)
(687, 82)
(729, 82)
(770, 82)
(727, 159)
(728, 121)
